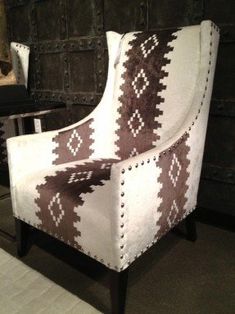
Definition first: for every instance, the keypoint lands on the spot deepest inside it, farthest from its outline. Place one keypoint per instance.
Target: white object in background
(37, 125)
(20, 62)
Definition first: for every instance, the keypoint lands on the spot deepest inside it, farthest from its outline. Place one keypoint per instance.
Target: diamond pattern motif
(74, 143)
(175, 170)
(172, 214)
(133, 152)
(56, 209)
(148, 45)
(140, 83)
(136, 123)
(80, 176)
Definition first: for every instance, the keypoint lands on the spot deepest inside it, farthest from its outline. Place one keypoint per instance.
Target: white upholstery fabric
(20, 62)
(121, 216)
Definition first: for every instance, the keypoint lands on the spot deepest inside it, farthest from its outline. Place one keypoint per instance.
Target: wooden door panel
(51, 71)
(220, 142)
(19, 18)
(81, 18)
(122, 16)
(82, 69)
(171, 13)
(220, 11)
(48, 19)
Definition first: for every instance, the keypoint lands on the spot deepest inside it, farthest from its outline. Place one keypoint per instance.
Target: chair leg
(118, 288)
(22, 232)
(191, 230)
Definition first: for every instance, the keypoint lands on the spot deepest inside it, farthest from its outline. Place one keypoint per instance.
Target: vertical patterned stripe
(140, 99)
(173, 180)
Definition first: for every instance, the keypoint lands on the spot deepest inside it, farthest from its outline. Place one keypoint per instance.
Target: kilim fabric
(114, 183)
(139, 110)
(63, 192)
(173, 181)
(74, 144)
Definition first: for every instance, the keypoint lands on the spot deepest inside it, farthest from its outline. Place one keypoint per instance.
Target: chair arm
(154, 191)
(30, 153)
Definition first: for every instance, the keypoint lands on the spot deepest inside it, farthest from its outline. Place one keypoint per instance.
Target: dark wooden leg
(22, 232)
(118, 288)
(191, 230)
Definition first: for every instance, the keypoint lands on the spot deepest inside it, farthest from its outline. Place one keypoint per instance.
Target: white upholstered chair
(20, 62)
(114, 183)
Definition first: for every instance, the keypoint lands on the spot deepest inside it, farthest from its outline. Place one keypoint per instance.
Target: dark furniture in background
(68, 63)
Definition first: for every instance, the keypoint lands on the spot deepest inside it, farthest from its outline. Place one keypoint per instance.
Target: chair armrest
(30, 153)
(154, 191)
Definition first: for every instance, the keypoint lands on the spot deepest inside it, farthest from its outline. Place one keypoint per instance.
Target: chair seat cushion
(70, 201)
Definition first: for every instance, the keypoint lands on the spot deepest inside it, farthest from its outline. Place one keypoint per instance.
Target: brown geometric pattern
(173, 178)
(61, 193)
(140, 99)
(74, 144)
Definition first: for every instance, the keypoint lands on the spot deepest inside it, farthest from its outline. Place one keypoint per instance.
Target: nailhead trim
(156, 239)
(213, 26)
(107, 264)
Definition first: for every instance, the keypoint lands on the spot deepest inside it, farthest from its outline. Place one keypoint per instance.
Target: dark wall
(69, 63)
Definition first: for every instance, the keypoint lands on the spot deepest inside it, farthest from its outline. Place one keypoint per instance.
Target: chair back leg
(191, 230)
(22, 233)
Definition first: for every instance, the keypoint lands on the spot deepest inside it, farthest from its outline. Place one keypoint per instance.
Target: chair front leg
(191, 230)
(22, 233)
(118, 289)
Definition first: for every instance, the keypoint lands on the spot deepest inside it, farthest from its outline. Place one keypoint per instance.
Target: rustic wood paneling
(220, 142)
(81, 18)
(122, 16)
(171, 13)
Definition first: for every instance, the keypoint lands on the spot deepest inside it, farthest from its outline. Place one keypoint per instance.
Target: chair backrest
(157, 83)
(20, 62)
(156, 74)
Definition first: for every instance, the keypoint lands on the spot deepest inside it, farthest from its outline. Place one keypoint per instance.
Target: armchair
(114, 183)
